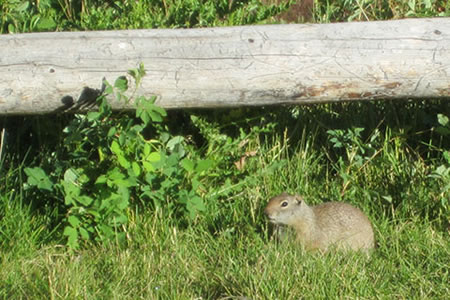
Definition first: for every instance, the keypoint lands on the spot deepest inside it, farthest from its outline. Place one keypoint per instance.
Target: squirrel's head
(285, 209)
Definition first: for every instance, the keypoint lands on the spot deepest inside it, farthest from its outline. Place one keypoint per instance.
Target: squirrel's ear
(298, 199)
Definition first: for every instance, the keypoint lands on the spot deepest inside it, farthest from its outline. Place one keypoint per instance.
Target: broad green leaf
(187, 164)
(447, 156)
(195, 184)
(108, 89)
(123, 161)
(156, 117)
(112, 131)
(115, 148)
(72, 237)
(159, 110)
(123, 181)
(136, 168)
(154, 157)
(106, 230)
(443, 119)
(94, 213)
(120, 219)
(115, 174)
(203, 165)
(145, 117)
(148, 166)
(194, 205)
(101, 179)
(70, 175)
(147, 149)
(22, 7)
(74, 221)
(69, 200)
(121, 83)
(84, 233)
(70, 231)
(71, 193)
(122, 139)
(46, 23)
(139, 110)
(174, 141)
(11, 28)
(136, 128)
(198, 203)
(93, 115)
(85, 200)
(123, 203)
(37, 177)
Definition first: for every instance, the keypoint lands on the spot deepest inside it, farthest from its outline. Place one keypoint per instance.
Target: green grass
(227, 251)
(164, 262)
(63, 15)
(396, 169)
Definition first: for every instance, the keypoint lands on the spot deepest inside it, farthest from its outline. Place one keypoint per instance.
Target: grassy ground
(227, 251)
(164, 262)
(396, 169)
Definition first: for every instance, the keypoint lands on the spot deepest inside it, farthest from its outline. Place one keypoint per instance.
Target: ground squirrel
(334, 224)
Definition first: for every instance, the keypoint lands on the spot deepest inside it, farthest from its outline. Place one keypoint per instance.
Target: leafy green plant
(46, 15)
(369, 10)
(419, 8)
(442, 172)
(112, 160)
(26, 16)
(230, 152)
(356, 152)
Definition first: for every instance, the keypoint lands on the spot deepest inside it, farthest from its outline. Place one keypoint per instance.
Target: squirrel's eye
(284, 204)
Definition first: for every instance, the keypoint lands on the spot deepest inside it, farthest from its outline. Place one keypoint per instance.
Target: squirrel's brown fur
(331, 224)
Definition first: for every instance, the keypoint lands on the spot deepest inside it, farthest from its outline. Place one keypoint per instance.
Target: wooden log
(230, 66)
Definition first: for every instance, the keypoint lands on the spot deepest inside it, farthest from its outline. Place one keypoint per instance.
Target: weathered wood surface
(231, 66)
